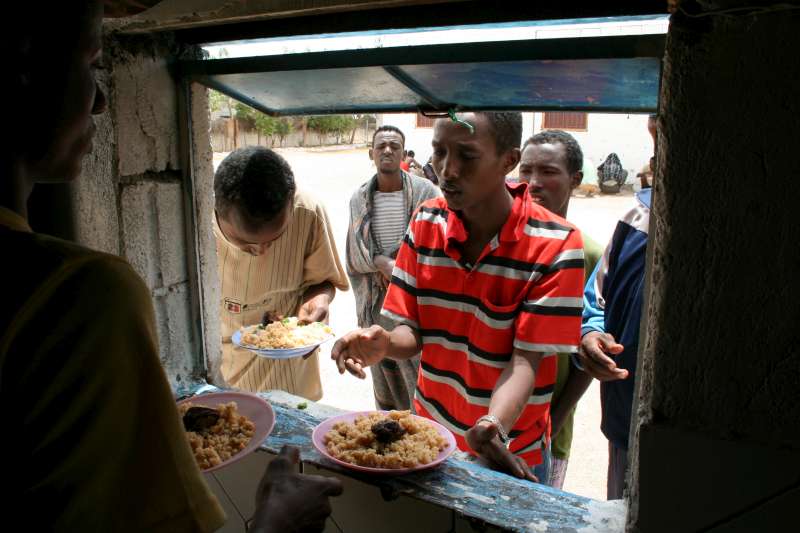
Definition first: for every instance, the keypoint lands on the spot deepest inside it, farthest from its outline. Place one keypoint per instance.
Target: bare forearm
(574, 388)
(514, 388)
(404, 343)
(324, 290)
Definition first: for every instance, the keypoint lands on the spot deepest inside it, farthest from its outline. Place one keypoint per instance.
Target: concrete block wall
(94, 195)
(131, 199)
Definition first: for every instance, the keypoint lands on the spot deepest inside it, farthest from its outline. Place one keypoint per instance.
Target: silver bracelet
(500, 431)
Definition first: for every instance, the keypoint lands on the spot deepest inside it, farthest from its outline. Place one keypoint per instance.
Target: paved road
(332, 176)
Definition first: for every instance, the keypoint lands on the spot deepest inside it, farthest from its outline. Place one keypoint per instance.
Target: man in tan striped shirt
(276, 256)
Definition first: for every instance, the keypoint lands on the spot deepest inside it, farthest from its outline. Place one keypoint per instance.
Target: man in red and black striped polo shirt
(489, 286)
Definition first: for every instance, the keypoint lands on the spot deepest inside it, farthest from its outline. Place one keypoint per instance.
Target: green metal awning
(596, 74)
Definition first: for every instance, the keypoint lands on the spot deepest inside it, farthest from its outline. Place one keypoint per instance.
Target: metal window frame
(609, 47)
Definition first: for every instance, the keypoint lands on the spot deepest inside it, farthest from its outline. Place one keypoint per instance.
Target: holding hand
(483, 438)
(385, 265)
(314, 310)
(287, 501)
(593, 358)
(359, 349)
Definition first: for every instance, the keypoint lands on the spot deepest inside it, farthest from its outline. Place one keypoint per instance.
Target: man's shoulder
(361, 192)
(48, 268)
(539, 216)
(45, 255)
(638, 217)
(422, 182)
(431, 210)
(438, 204)
(546, 229)
(306, 203)
(543, 237)
(592, 251)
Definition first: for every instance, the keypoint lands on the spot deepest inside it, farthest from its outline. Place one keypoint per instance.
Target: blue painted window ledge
(462, 486)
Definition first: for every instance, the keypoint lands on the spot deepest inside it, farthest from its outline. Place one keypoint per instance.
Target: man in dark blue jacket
(610, 332)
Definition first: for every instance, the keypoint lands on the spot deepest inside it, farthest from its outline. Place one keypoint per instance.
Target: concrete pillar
(717, 441)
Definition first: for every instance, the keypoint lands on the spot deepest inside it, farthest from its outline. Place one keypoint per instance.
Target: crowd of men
(478, 304)
(471, 298)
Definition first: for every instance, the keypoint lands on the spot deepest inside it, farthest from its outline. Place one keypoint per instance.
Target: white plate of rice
(282, 339)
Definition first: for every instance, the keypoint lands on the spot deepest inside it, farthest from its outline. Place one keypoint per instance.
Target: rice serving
(357, 442)
(285, 334)
(218, 443)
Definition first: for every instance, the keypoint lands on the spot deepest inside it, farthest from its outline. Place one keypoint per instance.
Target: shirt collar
(512, 229)
(13, 221)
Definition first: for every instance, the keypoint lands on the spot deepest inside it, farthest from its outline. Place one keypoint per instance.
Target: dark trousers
(617, 471)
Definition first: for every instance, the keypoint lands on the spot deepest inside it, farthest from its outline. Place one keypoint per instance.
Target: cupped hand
(593, 355)
(314, 310)
(359, 349)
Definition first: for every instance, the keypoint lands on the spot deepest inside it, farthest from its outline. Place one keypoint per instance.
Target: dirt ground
(332, 175)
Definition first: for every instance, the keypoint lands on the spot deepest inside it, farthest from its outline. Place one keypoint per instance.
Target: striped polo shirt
(525, 292)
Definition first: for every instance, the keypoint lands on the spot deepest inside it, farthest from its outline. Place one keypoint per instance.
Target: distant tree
(263, 124)
(283, 127)
(322, 125)
(245, 114)
(348, 125)
(304, 129)
(218, 102)
(266, 126)
(338, 125)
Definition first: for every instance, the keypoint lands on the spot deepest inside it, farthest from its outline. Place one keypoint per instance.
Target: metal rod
(400, 75)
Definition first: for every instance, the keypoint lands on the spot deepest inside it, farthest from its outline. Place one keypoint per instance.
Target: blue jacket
(613, 304)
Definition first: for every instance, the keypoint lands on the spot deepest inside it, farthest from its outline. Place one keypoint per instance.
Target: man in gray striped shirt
(379, 214)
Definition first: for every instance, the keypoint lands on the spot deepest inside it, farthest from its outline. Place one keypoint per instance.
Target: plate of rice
(383, 442)
(224, 427)
(282, 339)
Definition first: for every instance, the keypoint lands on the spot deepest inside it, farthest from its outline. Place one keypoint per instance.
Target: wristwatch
(500, 431)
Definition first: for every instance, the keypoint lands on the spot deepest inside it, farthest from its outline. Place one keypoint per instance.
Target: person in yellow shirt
(92, 439)
(277, 257)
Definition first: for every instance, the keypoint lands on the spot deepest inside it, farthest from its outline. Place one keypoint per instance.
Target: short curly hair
(571, 146)
(389, 128)
(256, 181)
(506, 128)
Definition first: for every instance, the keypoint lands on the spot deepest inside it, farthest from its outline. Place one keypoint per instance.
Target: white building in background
(599, 134)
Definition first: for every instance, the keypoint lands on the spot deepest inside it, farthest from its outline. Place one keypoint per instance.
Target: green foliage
(246, 114)
(265, 124)
(332, 124)
(217, 100)
(283, 127)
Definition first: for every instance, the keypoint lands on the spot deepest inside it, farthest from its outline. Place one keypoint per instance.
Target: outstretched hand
(593, 356)
(359, 349)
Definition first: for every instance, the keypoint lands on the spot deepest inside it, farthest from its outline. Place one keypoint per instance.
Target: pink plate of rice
(350, 441)
(245, 421)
